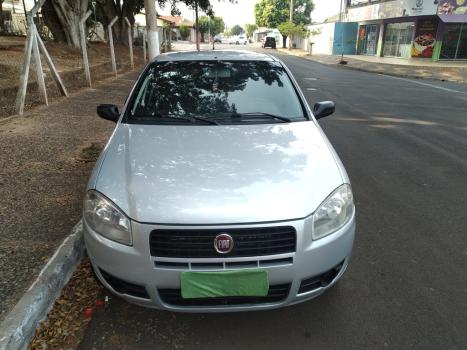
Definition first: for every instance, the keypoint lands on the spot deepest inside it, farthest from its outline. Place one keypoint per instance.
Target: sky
(243, 12)
(325, 9)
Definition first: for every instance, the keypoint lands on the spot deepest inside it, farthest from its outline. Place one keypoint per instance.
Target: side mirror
(323, 109)
(108, 112)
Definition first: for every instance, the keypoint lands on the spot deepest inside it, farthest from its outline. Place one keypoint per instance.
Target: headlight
(106, 218)
(334, 212)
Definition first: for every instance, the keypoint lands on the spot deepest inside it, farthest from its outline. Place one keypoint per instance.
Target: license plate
(241, 283)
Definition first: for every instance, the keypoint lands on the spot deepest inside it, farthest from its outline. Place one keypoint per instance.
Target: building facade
(431, 29)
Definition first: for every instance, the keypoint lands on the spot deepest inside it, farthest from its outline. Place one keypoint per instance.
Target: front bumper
(135, 266)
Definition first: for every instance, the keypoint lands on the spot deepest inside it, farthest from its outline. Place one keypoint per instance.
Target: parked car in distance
(241, 40)
(220, 38)
(269, 41)
(218, 190)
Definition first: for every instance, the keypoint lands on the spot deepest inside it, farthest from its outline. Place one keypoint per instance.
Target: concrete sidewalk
(413, 68)
(46, 159)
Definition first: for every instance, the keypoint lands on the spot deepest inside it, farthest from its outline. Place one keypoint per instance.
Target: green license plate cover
(235, 283)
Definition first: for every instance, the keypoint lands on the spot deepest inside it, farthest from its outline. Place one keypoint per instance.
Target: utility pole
(291, 11)
(341, 17)
(291, 21)
(213, 47)
(197, 25)
(151, 26)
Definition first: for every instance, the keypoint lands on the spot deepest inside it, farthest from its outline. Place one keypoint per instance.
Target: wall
(322, 42)
(392, 9)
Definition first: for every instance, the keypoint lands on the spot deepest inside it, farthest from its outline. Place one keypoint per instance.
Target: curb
(18, 327)
(361, 69)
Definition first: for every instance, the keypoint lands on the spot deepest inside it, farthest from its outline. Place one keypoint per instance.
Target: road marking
(311, 89)
(424, 84)
(310, 79)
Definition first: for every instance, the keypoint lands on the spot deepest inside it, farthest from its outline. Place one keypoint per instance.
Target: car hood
(218, 174)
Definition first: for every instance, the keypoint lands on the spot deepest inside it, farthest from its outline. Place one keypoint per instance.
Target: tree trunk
(110, 9)
(52, 22)
(2, 20)
(284, 41)
(69, 13)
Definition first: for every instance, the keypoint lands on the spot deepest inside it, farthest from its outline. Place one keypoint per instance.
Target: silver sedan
(218, 190)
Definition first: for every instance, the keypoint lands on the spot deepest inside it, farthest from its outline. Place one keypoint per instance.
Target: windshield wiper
(210, 121)
(201, 119)
(262, 114)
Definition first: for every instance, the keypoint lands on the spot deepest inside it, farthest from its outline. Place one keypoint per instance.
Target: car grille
(276, 294)
(200, 243)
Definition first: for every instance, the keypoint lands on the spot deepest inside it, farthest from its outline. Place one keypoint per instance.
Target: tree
(62, 16)
(271, 13)
(2, 21)
(250, 29)
(291, 29)
(184, 31)
(213, 25)
(217, 25)
(236, 30)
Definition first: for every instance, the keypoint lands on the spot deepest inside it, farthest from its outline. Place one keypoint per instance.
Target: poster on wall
(452, 7)
(425, 38)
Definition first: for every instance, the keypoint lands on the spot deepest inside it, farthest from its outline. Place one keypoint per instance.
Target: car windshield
(218, 92)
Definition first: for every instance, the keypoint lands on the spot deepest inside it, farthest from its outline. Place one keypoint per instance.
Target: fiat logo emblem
(223, 243)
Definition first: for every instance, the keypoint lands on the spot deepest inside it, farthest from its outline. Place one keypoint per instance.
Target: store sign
(425, 38)
(393, 9)
(452, 7)
(420, 7)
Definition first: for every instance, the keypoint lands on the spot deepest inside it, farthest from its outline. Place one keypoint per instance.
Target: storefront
(389, 28)
(435, 29)
(425, 37)
(398, 39)
(454, 46)
(368, 39)
(453, 30)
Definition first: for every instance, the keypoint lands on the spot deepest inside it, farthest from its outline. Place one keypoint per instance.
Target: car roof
(221, 55)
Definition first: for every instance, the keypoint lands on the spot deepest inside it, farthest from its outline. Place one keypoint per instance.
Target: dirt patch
(68, 62)
(88, 153)
(67, 322)
(19, 126)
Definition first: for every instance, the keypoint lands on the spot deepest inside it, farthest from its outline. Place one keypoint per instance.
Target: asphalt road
(404, 145)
